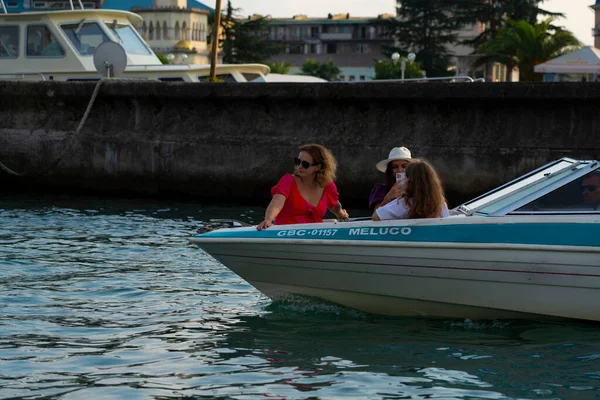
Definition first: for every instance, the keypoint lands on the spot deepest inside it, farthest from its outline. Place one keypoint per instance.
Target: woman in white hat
(397, 161)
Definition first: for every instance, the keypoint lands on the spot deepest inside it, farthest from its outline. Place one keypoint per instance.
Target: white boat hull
(444, 279)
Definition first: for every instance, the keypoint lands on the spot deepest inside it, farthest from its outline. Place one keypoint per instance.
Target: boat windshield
(129, 39)
(522, 193)
(85, 36)
(581, 195)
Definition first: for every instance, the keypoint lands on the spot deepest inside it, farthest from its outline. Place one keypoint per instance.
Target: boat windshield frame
(508, 198)
(141, 43)
(80, 25)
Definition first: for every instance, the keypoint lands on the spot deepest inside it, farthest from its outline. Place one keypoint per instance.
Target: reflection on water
(107, 299)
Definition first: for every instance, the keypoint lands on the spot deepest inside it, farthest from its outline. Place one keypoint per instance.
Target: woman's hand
(343, 215)
(395, 192)
(264, 225)
(273, 210)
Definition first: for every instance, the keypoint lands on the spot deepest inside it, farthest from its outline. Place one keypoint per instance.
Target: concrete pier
(231, 142)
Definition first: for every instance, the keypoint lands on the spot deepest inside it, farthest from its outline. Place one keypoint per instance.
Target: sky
(579, 17)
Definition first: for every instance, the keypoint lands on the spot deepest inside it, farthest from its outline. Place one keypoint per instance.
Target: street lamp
(396, 57)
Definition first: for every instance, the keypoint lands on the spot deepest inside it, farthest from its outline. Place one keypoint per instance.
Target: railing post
(4, 6)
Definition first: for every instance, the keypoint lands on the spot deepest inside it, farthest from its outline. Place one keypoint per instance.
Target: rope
(71, 140)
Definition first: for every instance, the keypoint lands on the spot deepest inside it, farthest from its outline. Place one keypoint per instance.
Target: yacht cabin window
(129, 39)
(85, 36)
(9, 41)
(41, 42)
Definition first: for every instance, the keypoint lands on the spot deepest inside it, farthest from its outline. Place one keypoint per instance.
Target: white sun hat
(397, 153)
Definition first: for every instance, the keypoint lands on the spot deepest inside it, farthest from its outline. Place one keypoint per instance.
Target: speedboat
(61, 45)
(527, 249)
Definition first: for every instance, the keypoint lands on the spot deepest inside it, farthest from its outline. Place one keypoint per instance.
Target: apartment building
(353, 43)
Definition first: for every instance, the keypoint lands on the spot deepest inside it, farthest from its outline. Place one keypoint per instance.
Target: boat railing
(461, 78)
(22, 74)
(70, 2)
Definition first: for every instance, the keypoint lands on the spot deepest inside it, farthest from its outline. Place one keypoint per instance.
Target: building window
(351, 77)
(296, 49)
(331, 48)
(362, 78)
(313, 49)
(364, 48)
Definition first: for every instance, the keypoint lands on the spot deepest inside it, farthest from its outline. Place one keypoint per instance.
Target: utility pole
(215, 41)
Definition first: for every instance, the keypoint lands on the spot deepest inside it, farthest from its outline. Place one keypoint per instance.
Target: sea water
(106, 299)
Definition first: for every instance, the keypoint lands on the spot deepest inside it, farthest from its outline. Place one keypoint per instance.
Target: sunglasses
(305, 164)
(589, 188)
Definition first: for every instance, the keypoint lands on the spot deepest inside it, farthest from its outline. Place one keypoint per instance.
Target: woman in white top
(423, 196)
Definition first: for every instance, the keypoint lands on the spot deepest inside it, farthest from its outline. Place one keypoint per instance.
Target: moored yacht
(59, 44)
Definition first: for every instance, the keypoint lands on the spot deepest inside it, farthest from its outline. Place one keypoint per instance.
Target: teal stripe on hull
(553, 234)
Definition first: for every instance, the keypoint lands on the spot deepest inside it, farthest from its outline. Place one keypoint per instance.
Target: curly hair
(325, 159)
(424, 192)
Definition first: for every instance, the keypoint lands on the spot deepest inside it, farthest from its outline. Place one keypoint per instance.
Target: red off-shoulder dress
(296, 209)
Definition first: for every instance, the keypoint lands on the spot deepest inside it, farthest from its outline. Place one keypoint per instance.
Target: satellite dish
(110, 59)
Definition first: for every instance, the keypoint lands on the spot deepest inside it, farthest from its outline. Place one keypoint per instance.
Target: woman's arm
(376, 217)
(339, 212)
(395, 192)
(273, 210)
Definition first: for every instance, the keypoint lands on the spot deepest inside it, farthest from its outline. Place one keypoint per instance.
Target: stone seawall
(231, 142)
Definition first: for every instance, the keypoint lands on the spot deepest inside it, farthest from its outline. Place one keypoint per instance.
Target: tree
(528, 45)
(427, 28)
(244, 40)
(494, 14)
(163, 59)
(280, 67)
(327, 70)
(385, 69)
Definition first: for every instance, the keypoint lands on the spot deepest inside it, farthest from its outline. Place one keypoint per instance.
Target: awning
(583, 61)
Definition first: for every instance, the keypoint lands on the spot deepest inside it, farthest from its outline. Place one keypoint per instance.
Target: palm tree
(524, 45)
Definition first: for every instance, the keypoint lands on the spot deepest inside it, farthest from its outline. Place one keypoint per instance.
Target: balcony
(336, 36)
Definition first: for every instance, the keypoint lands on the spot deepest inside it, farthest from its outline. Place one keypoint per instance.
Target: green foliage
(327, 70)
(495, 14)
(280, 67)
(244, 40)
(526, 45)
(163, 59)
(389, 70)
(427, 28)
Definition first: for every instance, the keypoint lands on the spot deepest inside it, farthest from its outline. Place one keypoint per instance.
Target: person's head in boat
(315, 163)
(590, 190)
(423, 195)
(397, 161)
(424, 189)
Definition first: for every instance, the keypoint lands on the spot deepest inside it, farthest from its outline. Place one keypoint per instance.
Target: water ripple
(105, 299)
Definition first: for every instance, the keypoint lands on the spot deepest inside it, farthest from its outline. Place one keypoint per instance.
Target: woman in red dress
(305, 196)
